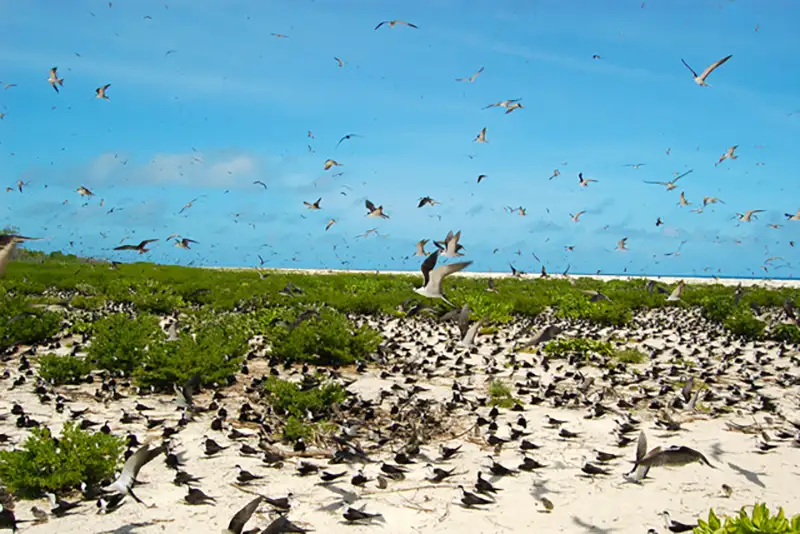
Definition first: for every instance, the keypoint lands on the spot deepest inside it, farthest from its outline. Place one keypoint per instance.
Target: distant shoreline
(725, 281)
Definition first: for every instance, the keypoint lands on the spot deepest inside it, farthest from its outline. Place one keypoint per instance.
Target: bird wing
(463, 320)
(132, 466)
(439, 274)
(641, 447)
(243, 516)
(688, 67)
(370, 206)
(713, 66)
(381, 24)
(409, 24)
(146, 241)
(190, 386)
(427, 267)
(125, 247)
(657, 183)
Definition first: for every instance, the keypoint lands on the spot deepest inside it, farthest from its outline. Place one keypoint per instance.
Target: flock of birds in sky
(378, 212)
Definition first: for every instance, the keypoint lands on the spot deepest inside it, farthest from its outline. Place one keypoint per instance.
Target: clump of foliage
(630, 356)
(66, 369)
(717, 307)
(760, 522)
(215, 352)
(42, 464)
(22, 324)
(329, 339)
(742, 323)
(562, 348)
(785, 332)
(298, 401)
(120, 342)
(573, 306)
(500, 395)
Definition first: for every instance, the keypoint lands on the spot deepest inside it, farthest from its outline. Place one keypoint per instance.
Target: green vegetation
(741, 322)
(60, 370)
(563, 348)
(630, 356)
(759, 522)
(22, 324)
(299, 401)
(500, 395)
(42, 465)
(788, 333)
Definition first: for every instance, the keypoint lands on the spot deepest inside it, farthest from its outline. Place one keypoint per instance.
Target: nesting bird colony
(286, 410)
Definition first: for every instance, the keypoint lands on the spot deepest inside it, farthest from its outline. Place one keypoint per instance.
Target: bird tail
(135, 498)
(60, 81)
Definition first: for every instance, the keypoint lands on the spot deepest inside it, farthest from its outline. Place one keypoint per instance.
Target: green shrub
(82, 302)
(742, 323)
(215, 352)
(562, 348)
(65, 369)
(329, 339)
(22, 324)
(297, 401)
(500, 395)
(42, 465)
(717, 308)
(120, 342)
(574, 306)
(785, 332)
(630, 356)
(760, 522)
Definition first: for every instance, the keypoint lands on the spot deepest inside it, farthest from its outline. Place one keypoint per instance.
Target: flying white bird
(433, 278)
(701, 80)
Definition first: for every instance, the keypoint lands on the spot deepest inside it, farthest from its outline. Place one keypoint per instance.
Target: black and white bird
(242, 517)
(433, 278)
(126, 479)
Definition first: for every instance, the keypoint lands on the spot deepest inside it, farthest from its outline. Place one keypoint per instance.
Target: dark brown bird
(141, 247)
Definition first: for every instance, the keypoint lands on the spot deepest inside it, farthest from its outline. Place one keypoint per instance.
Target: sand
(581, 504)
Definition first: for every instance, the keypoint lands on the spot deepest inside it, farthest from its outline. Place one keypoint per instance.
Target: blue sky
(233, 103)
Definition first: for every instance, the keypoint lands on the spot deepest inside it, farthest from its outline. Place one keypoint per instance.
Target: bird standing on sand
(433, 278)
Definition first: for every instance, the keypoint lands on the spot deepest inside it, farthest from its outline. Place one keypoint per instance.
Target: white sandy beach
(603, 504)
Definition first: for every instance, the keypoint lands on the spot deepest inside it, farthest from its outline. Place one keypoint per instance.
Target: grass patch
(500, 395)
(42, 464)
(299, 402)
(632, 356)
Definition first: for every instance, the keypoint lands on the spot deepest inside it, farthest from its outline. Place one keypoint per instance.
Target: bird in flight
(472, 78)
(346, 137)
(577, 216)
(556, 173)
(7, 244)
(621, 244)
(393, 23)
(314, 206)
(634, 165)
(584, 182)
(373, 211)
(433, 278)
(279, 35)
(795, 217)
(682, 200)
(711, 200)
(190, 204)
(503, 104)
(331, 163)
(481, 177)
(339, 62)
(100, 92)
(141, 247)
(330, 223)
(701, 80)
(748, 215)
(84, 192)
(184, 243)
(481, 138)
(259, 182)
(729, 154)
(421, 248)
(671, 184)
(54, 80)
(427, 200)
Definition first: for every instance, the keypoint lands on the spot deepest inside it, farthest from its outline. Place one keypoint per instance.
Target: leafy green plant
(330, 339)
(717, 307)
(742, 323)
(562, 348)
(500, 395)
(42, 464)
(65, 369)
(22, 324)
(630, 356)
(786, 332)
(120, 342)
(215, 352)
(298, 401)
(759, 522)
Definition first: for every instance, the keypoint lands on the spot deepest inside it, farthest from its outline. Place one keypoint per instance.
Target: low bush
(330, 339)
(630, 356)
(500, 395)
(22, 324)
(42, 464)
(215, 352)
(574, 306)
(717, 307)
(761, 521)
(742, 323)
(563, 348)
(120, 342)
(785, 332)
(66, 369)
(299, 401)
